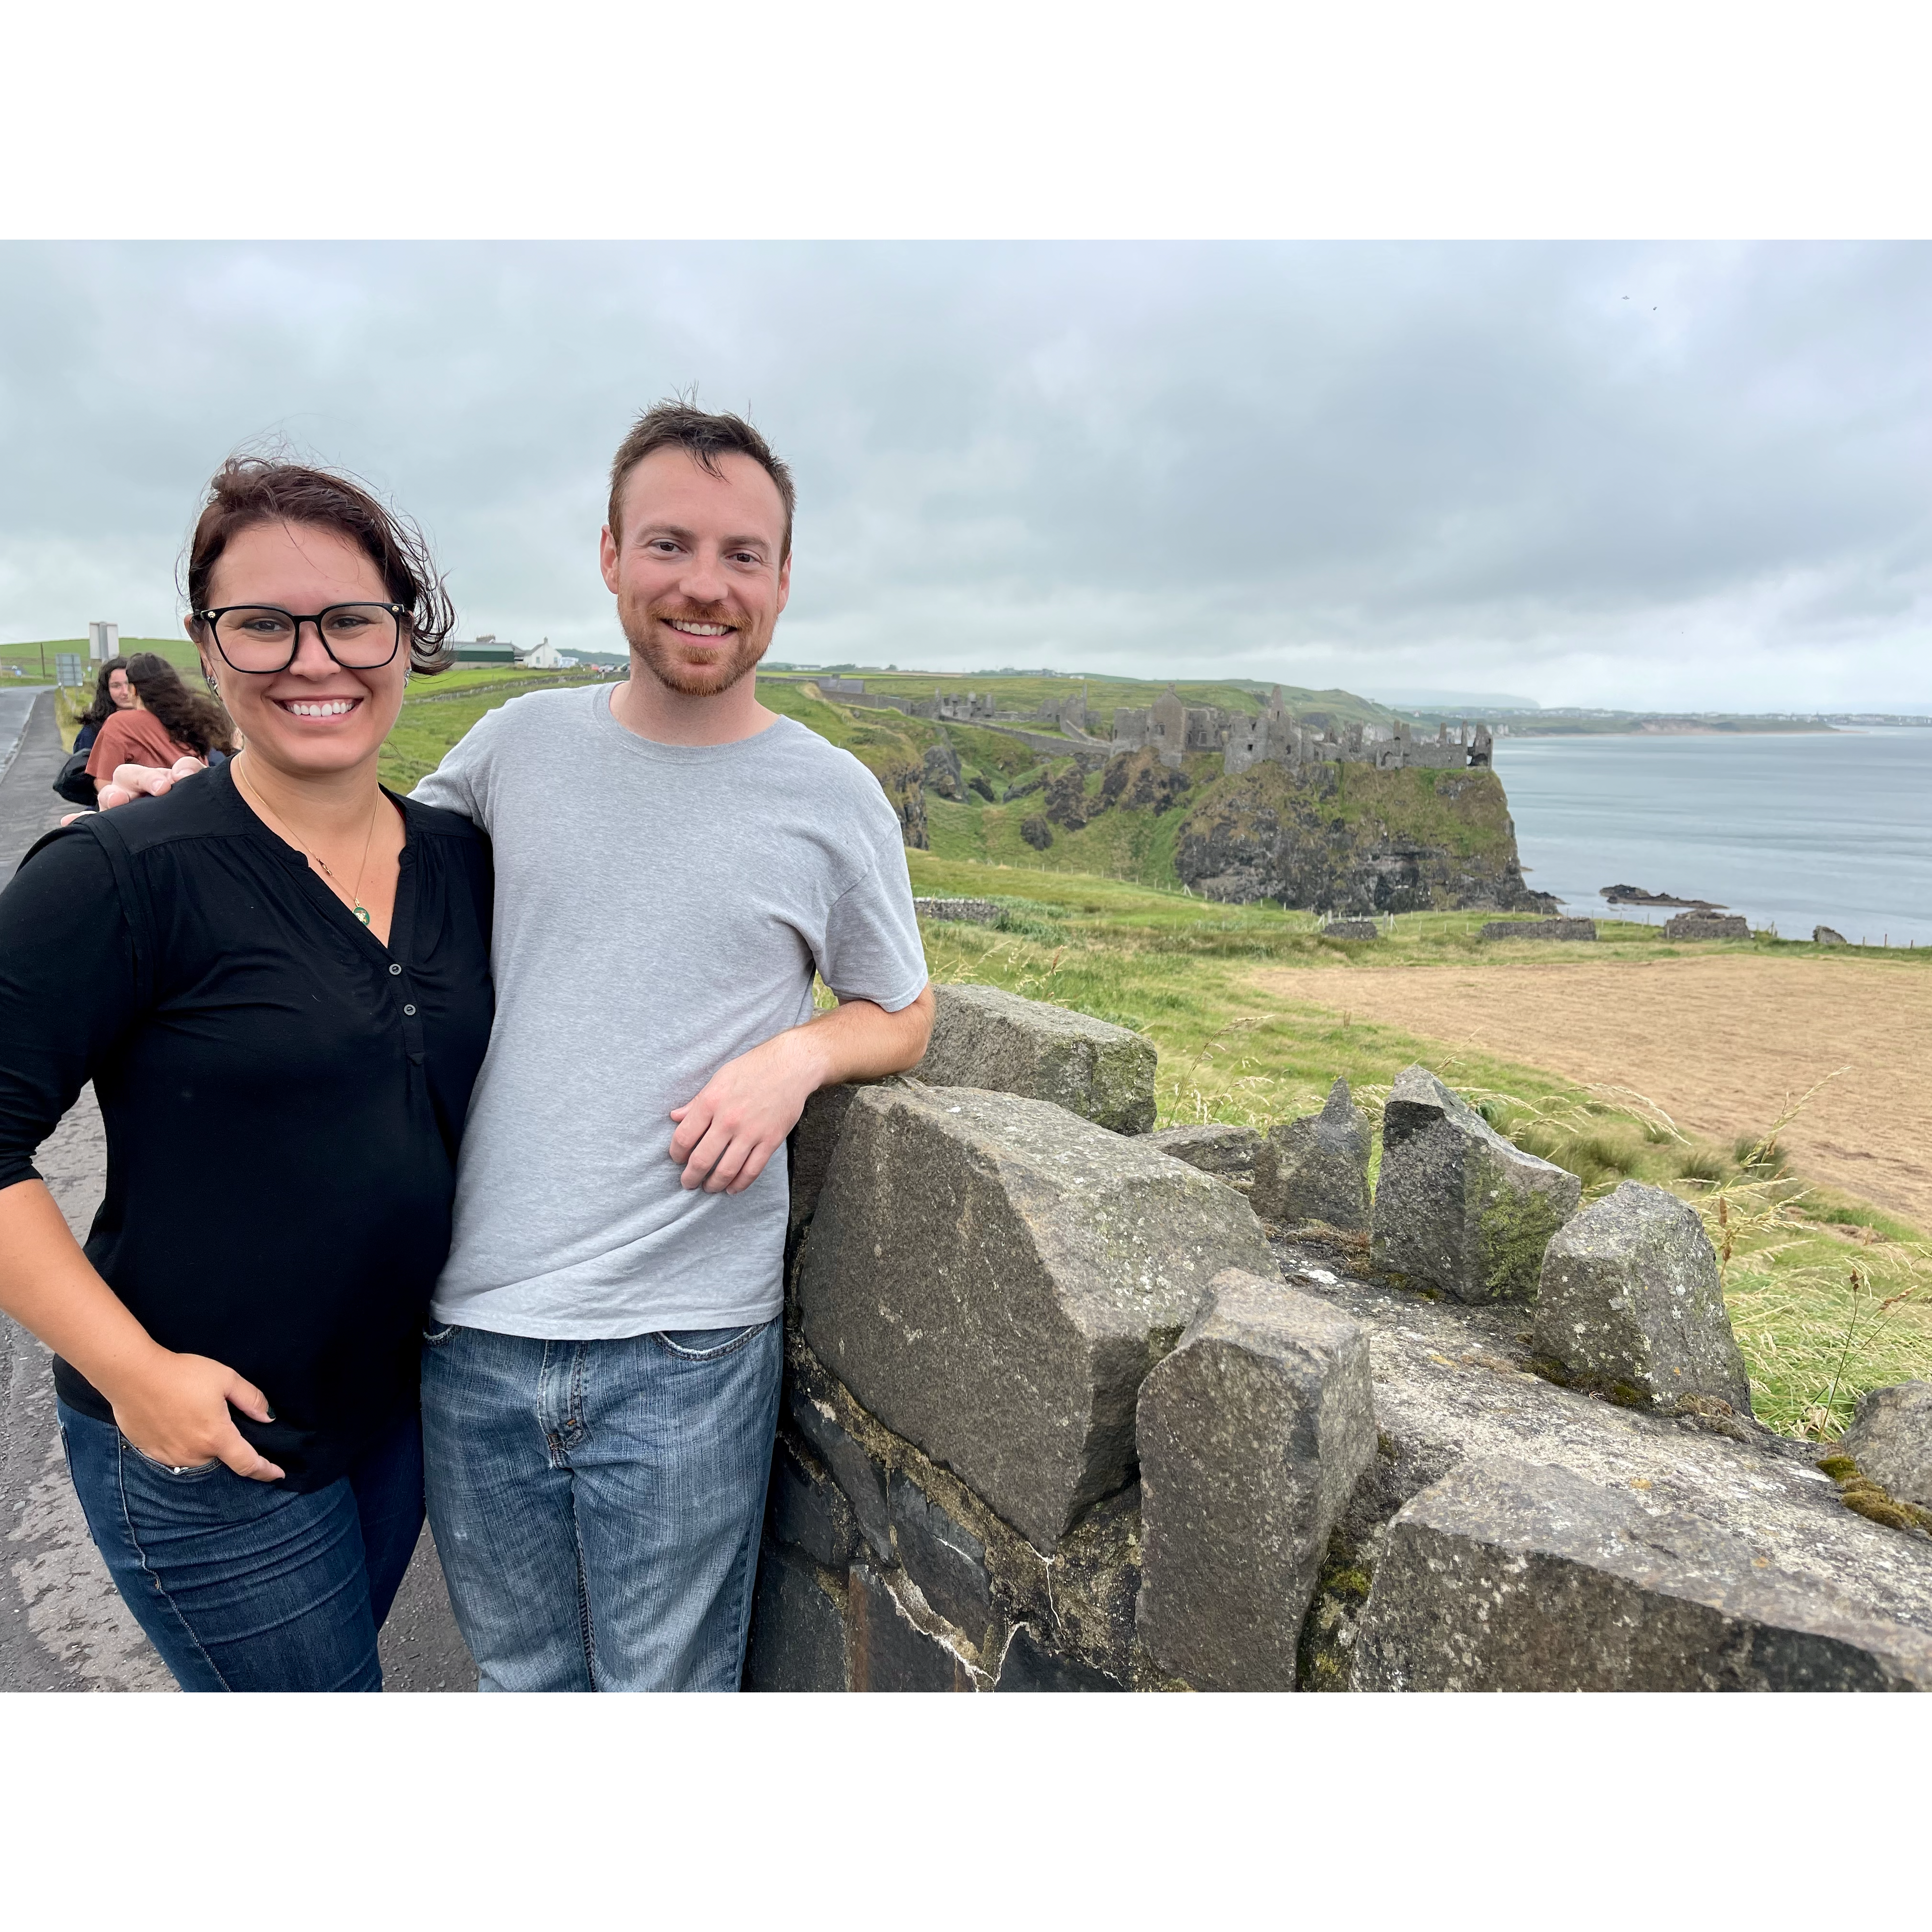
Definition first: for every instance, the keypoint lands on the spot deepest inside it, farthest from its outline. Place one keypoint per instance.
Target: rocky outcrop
(1512, 1575)
(1228, 1151)
(1890, 1439)
(1456, 1385)
(1630, 1300)
(1351, 839)
(940, 774)
(903, 785)
(1138, 781)
(1317, 1168)
(984, 1037)
(1252, 1435)
(1066, 799)
(992, 1278)
(1457, 1207)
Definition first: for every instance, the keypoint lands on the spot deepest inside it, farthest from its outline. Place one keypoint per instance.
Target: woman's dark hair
(103, 707)
(249, 490)
(188, 718)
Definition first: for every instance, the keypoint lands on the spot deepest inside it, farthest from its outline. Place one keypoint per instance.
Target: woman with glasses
(276, 977)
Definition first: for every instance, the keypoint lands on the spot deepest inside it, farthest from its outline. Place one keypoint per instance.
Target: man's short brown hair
(704, 438)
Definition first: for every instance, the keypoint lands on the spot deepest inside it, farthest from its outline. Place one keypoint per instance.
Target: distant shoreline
(1667, 728)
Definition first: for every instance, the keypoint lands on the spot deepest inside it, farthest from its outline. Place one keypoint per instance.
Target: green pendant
(362, 913)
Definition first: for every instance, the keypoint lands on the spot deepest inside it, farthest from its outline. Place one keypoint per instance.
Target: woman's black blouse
(283, 1095)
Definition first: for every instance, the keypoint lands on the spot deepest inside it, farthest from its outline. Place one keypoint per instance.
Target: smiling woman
(276, 974)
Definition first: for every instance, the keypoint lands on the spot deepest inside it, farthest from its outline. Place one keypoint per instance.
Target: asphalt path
(62, 1624)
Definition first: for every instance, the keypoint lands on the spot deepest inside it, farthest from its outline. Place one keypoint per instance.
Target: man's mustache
(668, 613)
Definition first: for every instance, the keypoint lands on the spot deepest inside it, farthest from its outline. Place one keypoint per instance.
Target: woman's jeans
(597, 1505)
(243, 1586)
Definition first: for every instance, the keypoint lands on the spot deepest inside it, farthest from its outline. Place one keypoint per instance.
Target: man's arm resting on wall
(740, 1118)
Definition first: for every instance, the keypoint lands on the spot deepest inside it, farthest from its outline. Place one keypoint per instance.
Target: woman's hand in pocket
(176, 1411)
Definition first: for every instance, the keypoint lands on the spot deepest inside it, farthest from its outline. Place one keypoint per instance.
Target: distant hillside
(1026, 691)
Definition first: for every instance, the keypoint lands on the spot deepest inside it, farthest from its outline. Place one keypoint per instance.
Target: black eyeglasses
(260, 639)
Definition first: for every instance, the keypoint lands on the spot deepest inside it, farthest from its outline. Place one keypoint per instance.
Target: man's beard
(739, 650)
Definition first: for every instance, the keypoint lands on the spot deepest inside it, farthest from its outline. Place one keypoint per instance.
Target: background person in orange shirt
(167, 723)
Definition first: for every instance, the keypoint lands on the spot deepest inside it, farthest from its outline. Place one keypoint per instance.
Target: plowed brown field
(1718, 1043)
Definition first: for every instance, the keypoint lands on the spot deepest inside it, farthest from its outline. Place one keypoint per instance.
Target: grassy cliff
(1343, 838)
(1351, 839)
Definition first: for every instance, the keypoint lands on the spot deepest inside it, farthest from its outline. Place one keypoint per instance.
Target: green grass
(1105, 694)
(30, 658)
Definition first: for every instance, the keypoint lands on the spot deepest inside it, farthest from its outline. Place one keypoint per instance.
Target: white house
(545, 657)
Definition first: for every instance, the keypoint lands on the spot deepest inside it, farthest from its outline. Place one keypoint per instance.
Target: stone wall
(1073, 1406)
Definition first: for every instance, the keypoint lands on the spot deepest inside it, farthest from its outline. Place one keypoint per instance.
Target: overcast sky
(1692, 476)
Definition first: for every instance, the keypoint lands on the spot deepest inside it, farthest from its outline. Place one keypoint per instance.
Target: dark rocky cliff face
(1349, 839)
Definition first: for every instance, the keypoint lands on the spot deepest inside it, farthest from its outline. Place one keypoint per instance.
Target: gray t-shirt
(660, 909)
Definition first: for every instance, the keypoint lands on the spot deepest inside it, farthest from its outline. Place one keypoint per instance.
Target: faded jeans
(243, 1586)
(597, 1505)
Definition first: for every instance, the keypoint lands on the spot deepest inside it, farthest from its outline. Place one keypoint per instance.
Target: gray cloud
(1683, 474)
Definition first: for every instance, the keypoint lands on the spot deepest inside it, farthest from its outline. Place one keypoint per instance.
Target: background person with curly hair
(165, 723)
(112, 693)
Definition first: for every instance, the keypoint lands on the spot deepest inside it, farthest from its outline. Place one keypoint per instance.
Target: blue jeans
(597, 1505)
(243, 1586)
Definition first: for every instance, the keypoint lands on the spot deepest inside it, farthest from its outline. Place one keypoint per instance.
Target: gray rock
(1316, 1168)
(947, 1561)
(797, 1639)
(860, 1480)
(983, 1037)
(1506, 1576)
(1252, 1435)
(940, 773)
(1457, 1208)
(1707, 925)
(1027, 1666)
(1351, 928)
(1453, 1383)
(890, 1650)
(992, 1278)
(1539, 928)
(1891, 1440)
(962, 912)
(1217, 1149)
(809, 1154)
(807, 1511)
(1823, 935)
(1630, 1296)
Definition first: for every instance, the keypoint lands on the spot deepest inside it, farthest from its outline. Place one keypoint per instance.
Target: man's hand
(176, 1411)
(130, 782)
(742, 1114)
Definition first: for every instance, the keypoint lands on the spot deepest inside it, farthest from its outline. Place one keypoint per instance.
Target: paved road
(62, 1626)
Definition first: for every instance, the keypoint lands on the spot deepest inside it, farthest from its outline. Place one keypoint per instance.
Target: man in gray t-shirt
(674, 863)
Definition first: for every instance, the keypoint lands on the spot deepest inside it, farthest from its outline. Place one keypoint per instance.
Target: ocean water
(1811, 828)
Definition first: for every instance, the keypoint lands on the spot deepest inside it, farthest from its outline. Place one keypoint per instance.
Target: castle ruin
(1274, 735)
